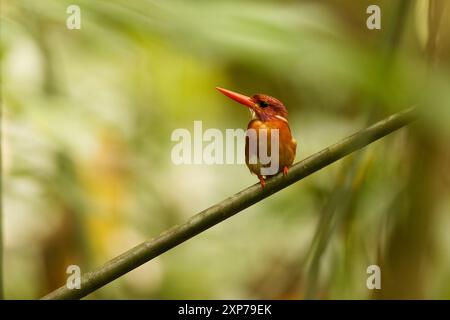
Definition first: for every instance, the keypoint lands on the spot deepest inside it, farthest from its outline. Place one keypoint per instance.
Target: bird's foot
(285, 171)
(262, 181)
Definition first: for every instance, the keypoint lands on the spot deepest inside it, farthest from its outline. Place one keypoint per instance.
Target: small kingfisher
(267, 113)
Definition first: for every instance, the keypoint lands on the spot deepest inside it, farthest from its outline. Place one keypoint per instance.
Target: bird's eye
(263, 104)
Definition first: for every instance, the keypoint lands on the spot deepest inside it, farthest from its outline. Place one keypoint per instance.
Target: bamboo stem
(204, 220)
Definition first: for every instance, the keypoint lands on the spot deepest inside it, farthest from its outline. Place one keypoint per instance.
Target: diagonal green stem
(204, 220)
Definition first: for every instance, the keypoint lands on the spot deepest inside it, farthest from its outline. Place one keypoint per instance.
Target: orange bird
(267, 113)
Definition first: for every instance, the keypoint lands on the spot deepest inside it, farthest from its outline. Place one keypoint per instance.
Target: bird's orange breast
(287, 145)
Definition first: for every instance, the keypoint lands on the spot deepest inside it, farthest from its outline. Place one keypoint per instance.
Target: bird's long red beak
(246, 101)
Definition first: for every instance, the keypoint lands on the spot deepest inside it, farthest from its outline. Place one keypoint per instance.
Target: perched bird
(267, 113)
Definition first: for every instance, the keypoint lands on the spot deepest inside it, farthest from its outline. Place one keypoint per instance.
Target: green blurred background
(88, 115)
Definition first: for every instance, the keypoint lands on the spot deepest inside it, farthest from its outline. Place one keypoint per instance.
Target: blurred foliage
(87, 119)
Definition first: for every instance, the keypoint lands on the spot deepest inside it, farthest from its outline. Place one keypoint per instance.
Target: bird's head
(261, 106)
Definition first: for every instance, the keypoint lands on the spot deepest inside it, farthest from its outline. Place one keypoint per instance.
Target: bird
(267, 113)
